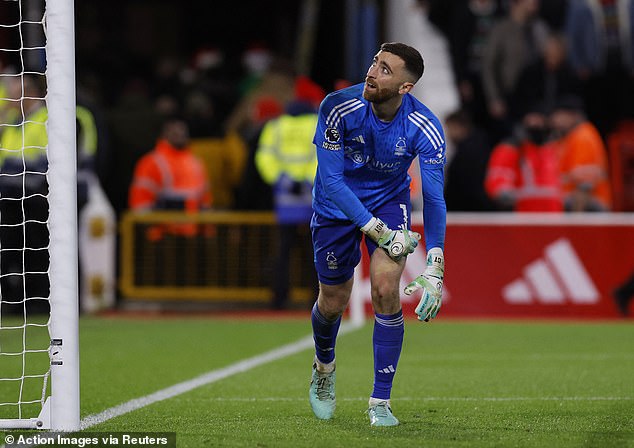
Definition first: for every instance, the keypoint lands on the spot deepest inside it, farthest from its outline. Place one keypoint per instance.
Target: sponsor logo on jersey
(385, 166)
(356, 156)
(359, 138)
(432, 161)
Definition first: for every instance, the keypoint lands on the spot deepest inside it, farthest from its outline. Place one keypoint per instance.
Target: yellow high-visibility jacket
(286, 147)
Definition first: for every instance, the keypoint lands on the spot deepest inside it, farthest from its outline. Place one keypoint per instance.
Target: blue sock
(387, 341)
(325, 335)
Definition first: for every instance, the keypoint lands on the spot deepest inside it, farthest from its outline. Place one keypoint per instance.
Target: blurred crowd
(223, 108)
(544, 87)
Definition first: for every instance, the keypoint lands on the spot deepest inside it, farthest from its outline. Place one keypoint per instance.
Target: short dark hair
(413, 60)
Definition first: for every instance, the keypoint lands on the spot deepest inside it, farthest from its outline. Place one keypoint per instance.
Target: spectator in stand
(601, 52)
(170, 177)
(286, 160)
(514, 43)
(523, 173)
(464, 188)
(582, 158)
(277, 84)
(548, 78)
(470, 25)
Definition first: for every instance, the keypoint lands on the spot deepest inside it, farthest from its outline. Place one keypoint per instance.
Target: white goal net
(38, 222)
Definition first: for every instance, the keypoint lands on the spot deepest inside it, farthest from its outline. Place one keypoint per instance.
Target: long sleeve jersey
(363, 162)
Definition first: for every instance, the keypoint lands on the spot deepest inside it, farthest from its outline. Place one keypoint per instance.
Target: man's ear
(406, 87)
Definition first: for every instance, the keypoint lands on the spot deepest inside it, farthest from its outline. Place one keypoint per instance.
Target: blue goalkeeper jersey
(363, 162)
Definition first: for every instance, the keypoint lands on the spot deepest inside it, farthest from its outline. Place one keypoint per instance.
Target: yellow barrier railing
(208, 256)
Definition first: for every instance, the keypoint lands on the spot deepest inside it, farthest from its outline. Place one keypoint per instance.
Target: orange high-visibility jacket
(168, 177)
(527, 172)
(583, 161)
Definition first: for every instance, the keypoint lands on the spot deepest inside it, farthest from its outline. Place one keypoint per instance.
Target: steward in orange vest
(583, 161)
(170, 177)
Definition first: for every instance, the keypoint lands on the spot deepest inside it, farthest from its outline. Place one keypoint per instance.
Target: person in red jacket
(170, 177)
(523, 172)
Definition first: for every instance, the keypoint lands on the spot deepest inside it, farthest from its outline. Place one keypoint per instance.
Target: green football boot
(322, 394)
(380, 413)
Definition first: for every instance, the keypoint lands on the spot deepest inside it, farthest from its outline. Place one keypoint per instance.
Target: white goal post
(59, 404)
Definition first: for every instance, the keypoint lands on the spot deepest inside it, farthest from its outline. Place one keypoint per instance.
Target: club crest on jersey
(400, 148)
(332, 137)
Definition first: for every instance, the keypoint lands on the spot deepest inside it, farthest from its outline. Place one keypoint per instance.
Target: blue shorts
(336, 243)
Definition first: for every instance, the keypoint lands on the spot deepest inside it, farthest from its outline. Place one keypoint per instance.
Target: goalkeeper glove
(397, 243)
(430, 282)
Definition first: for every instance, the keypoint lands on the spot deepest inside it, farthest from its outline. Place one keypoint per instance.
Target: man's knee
(333, 299)
(385, 296)
(385, 276)
(384, 290)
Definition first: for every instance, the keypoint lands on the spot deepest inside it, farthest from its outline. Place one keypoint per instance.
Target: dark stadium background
(117, 40)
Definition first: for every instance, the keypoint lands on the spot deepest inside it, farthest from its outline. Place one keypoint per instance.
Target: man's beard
(379, 95)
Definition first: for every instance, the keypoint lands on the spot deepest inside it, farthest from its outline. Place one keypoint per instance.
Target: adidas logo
(359, 139)
(557, 277)
(388, 369)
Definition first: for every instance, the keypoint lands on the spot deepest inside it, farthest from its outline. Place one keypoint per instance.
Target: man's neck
(386, 111)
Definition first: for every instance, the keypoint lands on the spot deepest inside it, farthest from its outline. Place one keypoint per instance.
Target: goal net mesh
(24, 237)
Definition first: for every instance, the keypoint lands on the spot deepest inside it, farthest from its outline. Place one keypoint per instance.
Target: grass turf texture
(470, 384)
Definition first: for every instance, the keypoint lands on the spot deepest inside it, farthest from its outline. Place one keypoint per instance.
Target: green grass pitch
(459, 383)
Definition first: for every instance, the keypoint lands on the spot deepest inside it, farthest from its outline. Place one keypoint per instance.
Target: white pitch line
(292, 399)
(206, 378)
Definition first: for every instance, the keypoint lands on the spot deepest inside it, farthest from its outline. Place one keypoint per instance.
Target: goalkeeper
(366, 138)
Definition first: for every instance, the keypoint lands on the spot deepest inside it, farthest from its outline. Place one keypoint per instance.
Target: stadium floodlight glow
(39, 373)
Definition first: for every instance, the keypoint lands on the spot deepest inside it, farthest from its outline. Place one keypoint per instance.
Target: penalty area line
(206, 378)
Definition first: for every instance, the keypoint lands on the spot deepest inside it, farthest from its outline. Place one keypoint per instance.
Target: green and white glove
(397, 243)
(430, 282)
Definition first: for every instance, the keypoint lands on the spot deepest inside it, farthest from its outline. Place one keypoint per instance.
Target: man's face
(563, 120)
(177, 134)
(385, 77)
(536, 127)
